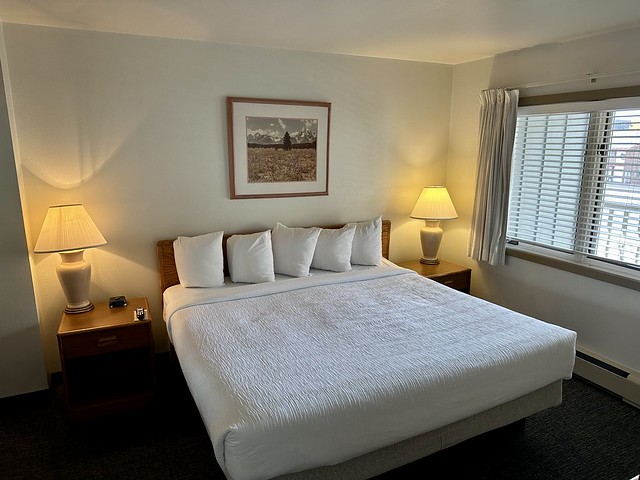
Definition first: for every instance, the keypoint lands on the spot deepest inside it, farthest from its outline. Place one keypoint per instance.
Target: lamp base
(74, 274)
(429, 261)
(430, 236)
(81, 309)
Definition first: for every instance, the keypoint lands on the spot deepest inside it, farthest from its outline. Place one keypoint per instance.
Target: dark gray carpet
(592, 435)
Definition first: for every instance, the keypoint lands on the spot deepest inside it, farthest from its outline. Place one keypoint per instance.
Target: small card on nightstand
(140, 314)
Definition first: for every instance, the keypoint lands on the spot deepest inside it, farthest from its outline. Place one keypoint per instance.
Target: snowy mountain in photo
(305, 136)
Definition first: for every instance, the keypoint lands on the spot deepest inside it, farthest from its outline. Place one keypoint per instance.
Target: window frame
(605, 270)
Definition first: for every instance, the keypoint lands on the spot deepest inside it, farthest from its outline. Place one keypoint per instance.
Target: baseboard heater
(609, 375)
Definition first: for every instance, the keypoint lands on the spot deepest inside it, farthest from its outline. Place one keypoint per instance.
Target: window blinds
(576, 182)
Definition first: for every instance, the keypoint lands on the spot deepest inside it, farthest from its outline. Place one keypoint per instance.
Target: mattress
(301, 373)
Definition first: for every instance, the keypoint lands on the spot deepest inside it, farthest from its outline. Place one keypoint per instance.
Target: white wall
(135, 129)
(605, 316)
(21, 360)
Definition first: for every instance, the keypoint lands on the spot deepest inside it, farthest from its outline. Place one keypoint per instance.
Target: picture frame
(278, 148)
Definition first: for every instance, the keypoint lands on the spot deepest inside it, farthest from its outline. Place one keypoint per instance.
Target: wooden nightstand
(108, 360)
(449, 274)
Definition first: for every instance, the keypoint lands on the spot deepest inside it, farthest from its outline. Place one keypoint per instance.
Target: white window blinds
(576, 180)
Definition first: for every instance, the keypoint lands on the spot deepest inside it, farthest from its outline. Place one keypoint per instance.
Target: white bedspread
(296, 374)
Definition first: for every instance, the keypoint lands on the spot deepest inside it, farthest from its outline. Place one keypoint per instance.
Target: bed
(352, 374)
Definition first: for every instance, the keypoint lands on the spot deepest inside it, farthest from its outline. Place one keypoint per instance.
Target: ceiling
(442, 31)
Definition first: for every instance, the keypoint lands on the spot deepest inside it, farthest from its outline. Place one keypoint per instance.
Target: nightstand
(108, 360)
(447, 273)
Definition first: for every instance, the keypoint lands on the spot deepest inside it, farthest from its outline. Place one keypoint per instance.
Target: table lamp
(68, 230)
(433, 205)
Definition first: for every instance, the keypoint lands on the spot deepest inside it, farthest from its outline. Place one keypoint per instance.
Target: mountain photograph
(281, 149)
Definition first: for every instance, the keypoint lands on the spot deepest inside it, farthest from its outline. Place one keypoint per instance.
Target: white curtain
(498, 115)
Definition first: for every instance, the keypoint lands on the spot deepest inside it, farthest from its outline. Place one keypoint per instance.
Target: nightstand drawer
(459, 281)
(105, 341)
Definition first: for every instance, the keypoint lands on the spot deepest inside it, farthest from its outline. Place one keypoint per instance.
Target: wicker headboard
(167, 264)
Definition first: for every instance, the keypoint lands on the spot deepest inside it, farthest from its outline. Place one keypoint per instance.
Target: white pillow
(293, 249)
(367, 242)
(250, 258)
(199, 260)
(333, 250)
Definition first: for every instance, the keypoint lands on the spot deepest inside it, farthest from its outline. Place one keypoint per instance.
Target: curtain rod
(592, 77)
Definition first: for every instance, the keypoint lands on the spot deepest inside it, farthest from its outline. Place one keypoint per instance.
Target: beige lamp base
(430, 237)
(429, 261)
(86, 308)
(74, 274)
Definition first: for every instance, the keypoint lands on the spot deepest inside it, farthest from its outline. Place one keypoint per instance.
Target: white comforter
(300, 373)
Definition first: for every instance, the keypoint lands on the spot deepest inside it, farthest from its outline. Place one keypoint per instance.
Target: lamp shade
(434, 203)
(67, 228)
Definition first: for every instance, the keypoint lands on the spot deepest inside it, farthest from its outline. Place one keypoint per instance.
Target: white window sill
(621, 276)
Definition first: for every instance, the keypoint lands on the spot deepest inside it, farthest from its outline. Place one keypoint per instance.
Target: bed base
(408, 451)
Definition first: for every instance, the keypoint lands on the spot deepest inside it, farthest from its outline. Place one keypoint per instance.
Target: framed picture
(278, 148)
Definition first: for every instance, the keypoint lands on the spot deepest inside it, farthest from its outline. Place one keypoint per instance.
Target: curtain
(498, 115)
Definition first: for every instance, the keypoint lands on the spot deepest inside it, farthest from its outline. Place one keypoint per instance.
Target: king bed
(346, 372)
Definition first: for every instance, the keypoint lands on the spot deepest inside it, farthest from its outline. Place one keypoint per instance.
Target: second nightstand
(108, 360)
(449, 274)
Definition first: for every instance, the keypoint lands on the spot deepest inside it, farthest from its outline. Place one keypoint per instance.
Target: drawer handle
(448, 283)
(107, 341)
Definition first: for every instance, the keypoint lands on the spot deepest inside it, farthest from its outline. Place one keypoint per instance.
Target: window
(576, 181)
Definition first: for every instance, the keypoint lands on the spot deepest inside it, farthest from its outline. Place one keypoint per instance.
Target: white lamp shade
(67, 228)
(434, 203)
